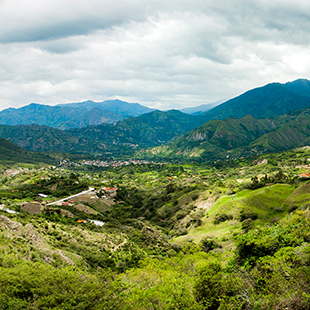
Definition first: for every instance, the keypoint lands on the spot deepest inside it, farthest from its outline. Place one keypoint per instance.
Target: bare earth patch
(206, 204)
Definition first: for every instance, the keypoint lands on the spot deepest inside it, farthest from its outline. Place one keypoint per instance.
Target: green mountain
(39, 138)
(294, 131)
(233, 138)
(213, 139)
(151, 129)
(300, 86)
(74, 115)
(268, 101)
(10, 152)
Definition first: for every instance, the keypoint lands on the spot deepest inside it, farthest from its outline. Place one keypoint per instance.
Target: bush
(247, 224)
(208, 244)
(208, 286)
(248, 214)
(219, 218)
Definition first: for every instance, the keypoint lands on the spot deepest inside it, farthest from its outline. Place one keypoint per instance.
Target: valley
(166, 228)
(160, 210)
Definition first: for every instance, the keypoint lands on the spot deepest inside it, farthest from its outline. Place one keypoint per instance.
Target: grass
(300, 197)
(270, 203)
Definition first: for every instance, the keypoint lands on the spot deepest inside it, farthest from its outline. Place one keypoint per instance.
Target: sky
(162, 54)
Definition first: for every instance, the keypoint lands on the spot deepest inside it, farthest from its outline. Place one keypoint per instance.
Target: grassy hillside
(263, 206)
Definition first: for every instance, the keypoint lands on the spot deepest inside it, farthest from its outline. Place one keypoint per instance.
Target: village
(102, 163)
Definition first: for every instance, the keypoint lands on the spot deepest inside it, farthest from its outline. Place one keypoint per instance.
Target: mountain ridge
(270, 100)
(65, 116)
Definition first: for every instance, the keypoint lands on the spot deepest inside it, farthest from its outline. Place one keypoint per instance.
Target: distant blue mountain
(198, 110)
(72, 115)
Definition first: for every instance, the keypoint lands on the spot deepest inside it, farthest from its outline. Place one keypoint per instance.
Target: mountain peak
(270, 100)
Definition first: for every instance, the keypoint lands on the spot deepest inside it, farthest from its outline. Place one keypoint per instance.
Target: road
(68, 198)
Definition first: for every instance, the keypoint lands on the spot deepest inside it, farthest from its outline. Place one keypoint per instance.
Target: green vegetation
(233, 235)
(171, 135)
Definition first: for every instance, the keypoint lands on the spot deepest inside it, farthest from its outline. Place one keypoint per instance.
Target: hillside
(233, 138)
(73, 115)
(10, 152)
(40, 138)
(270, 100)
(216, 139)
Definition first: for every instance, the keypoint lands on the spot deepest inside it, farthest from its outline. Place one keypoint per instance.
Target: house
(97, 223)
(305, 175)
(110, 191)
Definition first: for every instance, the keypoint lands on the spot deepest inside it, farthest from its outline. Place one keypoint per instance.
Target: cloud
(164, 54)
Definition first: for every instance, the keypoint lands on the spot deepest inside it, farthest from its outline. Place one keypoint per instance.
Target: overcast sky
(162, 53)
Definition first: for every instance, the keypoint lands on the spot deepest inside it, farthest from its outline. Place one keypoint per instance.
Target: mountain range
(72, 115)
(274, 117)
(198, 110)
(234, 138)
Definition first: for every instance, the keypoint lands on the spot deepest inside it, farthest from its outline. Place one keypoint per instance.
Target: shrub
(219, 218)
(247, 224)
(195, 197)
(208, 244)
(248, 214)
(210, 289)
